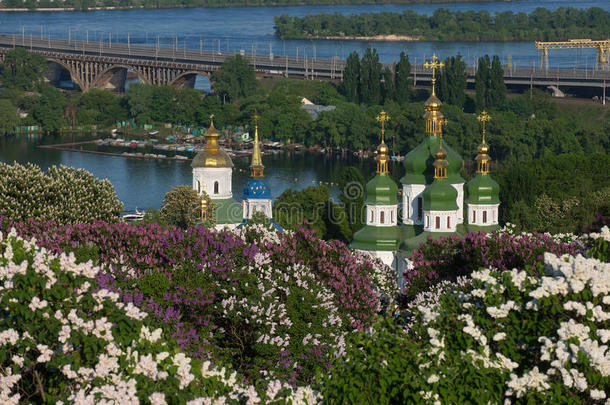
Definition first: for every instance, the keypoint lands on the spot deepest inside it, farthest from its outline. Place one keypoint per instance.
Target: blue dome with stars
(256, 188)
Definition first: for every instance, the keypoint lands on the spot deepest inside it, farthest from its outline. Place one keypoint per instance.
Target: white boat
(155, 132)
(133, 217)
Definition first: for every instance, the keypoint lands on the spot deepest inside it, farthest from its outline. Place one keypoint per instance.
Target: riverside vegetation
(446, 25)
(532, 138)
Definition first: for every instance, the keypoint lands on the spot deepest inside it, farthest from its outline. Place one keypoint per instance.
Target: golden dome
(441, 153)
(433, 103)
(483, 149)
(383, 149)
(212, 155)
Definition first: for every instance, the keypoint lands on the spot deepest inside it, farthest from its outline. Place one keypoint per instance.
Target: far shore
(390, 37)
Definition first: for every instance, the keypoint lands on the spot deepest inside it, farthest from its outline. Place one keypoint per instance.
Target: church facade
(435, 199)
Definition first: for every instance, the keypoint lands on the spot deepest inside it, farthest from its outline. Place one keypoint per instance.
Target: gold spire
(433, 115)
(435, 64)
(483, 149)
(211, 137)
(382, 149)
(256, 166)
(440, 164)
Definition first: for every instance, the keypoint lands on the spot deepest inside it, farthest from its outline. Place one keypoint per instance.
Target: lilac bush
(273, 306)
(449, 257)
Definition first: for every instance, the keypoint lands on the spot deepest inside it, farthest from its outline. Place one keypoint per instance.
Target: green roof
(475, 228)
(483, 190)
(228, 211)
(440, 196)
(377, 238)
(418, 163)
(381, 190)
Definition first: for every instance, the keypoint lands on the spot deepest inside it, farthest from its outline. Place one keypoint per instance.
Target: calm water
(251, 29)
(143, 183)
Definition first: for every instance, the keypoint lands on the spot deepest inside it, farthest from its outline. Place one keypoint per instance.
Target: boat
(155, 132)
(133, 216)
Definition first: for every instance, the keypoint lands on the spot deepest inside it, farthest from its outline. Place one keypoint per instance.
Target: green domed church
(436, 201)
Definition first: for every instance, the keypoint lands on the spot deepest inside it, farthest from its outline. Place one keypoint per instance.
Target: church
(212, 173)
(436, 201)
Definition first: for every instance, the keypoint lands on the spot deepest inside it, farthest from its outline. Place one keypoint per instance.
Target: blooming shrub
(61, 340)
(63, 194)
(273, 306)
(449, 257)
(530, 335)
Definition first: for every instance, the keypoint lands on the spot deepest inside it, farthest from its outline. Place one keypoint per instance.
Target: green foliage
(99, 107)
(351, 184)
(23, 70)
(351, 78)
(181, 207)
(555, 193)
(63, 194)
(312, 208)
(235, 79)
(446, 25)
(403, 79)
(452, 81)
(49, 109)
(9, 118)
(370, 74)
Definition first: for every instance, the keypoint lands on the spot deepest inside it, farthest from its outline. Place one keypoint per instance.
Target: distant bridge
(93, 64)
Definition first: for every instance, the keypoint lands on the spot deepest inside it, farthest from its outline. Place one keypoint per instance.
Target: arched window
(382, 217)
(438, 222)
(392, 217)
(372, 215)
(408, 207)
(485, 217)
(215, 187)
(448, 222)
(198, 187)
(474, 216)
(420, 208)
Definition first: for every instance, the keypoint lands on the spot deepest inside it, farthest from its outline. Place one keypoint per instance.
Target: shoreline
(387, 37)
(276, 4)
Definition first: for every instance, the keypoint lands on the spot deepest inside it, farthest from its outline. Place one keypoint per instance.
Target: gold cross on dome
(212, 120)
(383, 117)
(434, 65)
(483, 118)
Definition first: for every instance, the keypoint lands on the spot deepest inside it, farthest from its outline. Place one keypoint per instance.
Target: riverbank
(391, 37)
(246, 3)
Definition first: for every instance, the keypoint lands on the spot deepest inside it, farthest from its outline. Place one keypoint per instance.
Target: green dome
(377, 238)
(440, 196)
(483, 190)
(418, 163)
(381, 190)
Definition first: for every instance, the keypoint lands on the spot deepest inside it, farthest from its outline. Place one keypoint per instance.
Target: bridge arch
(73, 74)
(189, 77)
(113, 77)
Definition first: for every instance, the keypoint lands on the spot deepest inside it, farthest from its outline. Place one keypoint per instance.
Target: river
(142, 184)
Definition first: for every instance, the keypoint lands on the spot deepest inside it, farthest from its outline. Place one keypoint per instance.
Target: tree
(9, 118)
(452, 81)
(49, 109)
(482, 82)
(99, 107)
(351, 78)
(139, 102)
(351, 184)
(497, 88)
(312, 208)
(23, 70)
(64, 194)
(235, 79)
(388, 86)
(181, 206)
(370, 75)
(403, 79)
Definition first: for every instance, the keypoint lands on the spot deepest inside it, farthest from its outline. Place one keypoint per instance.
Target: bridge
(93, 64)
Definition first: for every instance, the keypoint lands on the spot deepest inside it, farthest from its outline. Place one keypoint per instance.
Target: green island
(84, 5)
(446, 25)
